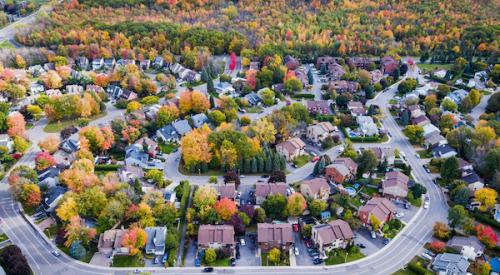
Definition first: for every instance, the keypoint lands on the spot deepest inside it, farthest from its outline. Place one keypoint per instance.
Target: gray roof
(182, 127)
(471, 178)
(156, 238)
(253, 98)
(168, 132)
(135, 153)
(442, 150)
(460, 242)
(53, 194)
(199, 120)
(451, 264)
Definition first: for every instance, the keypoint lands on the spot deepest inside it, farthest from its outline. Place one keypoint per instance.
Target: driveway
(248, 254)
(303, 258)
(372, 245)
(190, 255)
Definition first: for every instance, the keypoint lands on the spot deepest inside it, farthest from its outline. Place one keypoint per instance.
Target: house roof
(292, 145)
(226, 190)
(471, 178)
(340, 167)
(334, 230)
(442, 150)
(199, 120)
(182, 127)
(263, 189)
(215, 234)
(451, 263)
(52, 195)
(420, 119)
(274, 233)
(316, 185)
(348, 162)
(396, 179)
(317, 104)
(168, 132)
(156, 237)
(459, 241)
(379, 207)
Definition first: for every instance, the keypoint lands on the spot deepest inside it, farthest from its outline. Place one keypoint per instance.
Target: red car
(295, 227)
(316, 158)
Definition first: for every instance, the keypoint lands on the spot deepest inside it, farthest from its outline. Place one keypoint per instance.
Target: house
(420, 120)
(158, 62)
(434, 140)
(395, 185)
(325, 61)
(7, 142)
(109, 63)
(381, 208)
(274, 235)
(464, 166)
(226, 190)
(145, 64)
(382, 154)
(367, 126)
(199, 120)
(356, 108)
(457, 96)
(388, 65)
(320, 131)
(338, 172)
(430, 129)
(448, 263)
(36, 70)
(148, 145)
(443, 151)
(94, 88)
(318, 107)
(134, 156)
(49, 177)
(52, 197)
(182, 127)
(167, 134)
(254, 65)
(125, 62)
(114, 91)
(470, 247)
(82, 62)
(224, 88)
(360, 62)
(155, 243)
(128, 95)
(253, 99)
(474, 182)
(349, 163)
(97, 64)
(414, 111)
(70, 145)
(36, 88)
(170, 197)
(53, 92)
(343, 86)
(74, 89)
(129, 173)
(110, 242)
(332, 235)
(216, 236)
(335, 71)
(264, 189)
(291, 148)
(138, 114)
(301, 75)
(317, 188)
(376, 76)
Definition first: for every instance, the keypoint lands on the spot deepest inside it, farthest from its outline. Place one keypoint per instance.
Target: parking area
(190, 255)
(363, 238)
(407, 213)
(303, 259)
(248, 254)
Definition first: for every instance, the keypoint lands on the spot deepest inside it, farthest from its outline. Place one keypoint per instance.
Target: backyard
(167, 148)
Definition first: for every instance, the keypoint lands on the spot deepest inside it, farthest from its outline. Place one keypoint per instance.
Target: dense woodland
(142, 28)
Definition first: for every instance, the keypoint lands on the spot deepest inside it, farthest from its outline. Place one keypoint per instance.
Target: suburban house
(381, 208)
(430, 129)
(97, 64)
(338, 172)
(332, 235)
(291, 148)
(52, 197)
(49, 177)
(114, 91)
(320, 131)
(167, 134)
(382, 154)
(470, 247)
(82, 62)
(318, 107)
(182, 127)
(367, 126)
(215, 236)
(199, 120)
(128, 95)
(94, 88)
(356, 108)
(36, 88)
(70, 145)
(271, 235)
(53, 92)
(395, 185)
(7, 142)
(434, 140)
(335, 71)
(448, 263)
(343, 86)
(349, 163)
(389, 65)
(457, 96)
(360, 62)
(253, 99)
(109, 63)
(155, 243)
(264, 189)
(420, 120)
(169, 197)
(226, 190)
(224, 88)
(325, 61)
(135, 156)
(148, 145)
(110, 242)
(443, 151)
(158, 62)
(414, 111)
(317, 188)
(474, 182)
(376, 76)
(145, 64)
(130, 173)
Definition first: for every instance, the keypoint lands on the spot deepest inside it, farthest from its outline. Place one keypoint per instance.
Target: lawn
(393, 101)
(3, 237)
(392, 228)
(210, 172)
(221, 262)
(340, 256)
(416, 266)
(56, 127)
(302, 160)
(6, 45)
(424, 154)
(128, 261)
(285, 260)
(253, 109)
(167, 148)
(51, 231)
(427, 67)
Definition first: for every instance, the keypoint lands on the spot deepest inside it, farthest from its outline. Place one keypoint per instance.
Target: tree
(165, 213)
(459, 65)
(483, 135)
(493, 105)
(13, 261)
(91, 202)
(44, 160)
(367, 161)
(296, 204)
(485, 268)
(21, 145)
(274, 205)
(77, 251)
(475, 97)
(225, 208)
(133, 106)
(50, 144)
(317, 206)
(437, 247)
(430, 102)
(457, 215)
(199, 102)
(217, 116)
(264, 130)
(67, 209)
(418, 190)
(52, 80)
(196, 148)
(204, 197)
(267, 96)
(374, 222)
(210, 256)
(16, 125)
(274, 256)
(441, 231)
(450, 169)
(407, 86)
(30, 195)
(77, 230)
(166, 115)
(486, 235)
(135, 240)
(228, 153)
(232, 61)
(487, 197)
(293, 85)
(405, 118)
(448, 105)
(310, 77)
(238, 224)
(460, 194)
(415, 133)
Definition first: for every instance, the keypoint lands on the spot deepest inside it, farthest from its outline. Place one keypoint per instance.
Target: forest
(441, 30)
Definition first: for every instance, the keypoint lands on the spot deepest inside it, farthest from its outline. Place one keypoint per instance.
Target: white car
(400, 215)
(374, 236)
(242, 242)
(341, 150)
(296, 251)
(55, 253)
(426, 204)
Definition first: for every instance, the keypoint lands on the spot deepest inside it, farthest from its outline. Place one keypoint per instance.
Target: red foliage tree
(44, 160)
(225, 208)
(437, 247)
(486, 235)
(232, 61)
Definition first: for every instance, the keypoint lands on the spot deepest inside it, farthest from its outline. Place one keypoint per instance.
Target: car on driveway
(233, 262)
(360, 245)
(317, 261)
(373, 235)
(316, 158)
(295, 227)
(296, 250)
(242, 242)
(400, 215)
(156, 260)
(386, 241)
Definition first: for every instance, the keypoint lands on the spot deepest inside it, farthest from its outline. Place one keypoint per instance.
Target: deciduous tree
(135, 240)
(225, 208)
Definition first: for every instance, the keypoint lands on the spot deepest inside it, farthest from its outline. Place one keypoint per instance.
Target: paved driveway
(190, 255)
(303, 258)
(248, 254)
(372, 245)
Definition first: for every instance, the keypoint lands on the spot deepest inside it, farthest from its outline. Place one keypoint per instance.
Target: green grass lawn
(417, 263)
(254, 109)
(424, 154)
(6, 45)
(210, 172)
(128, 261)
(285, 260)
(3, 237)
(426, 67)
(56, 127)
(221, 262)
(341, 256)
(302, 160)
(167, 148)
(51, 231)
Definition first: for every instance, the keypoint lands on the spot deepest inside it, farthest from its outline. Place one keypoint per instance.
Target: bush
(107, 167)
(172, 257)
(121, 104)
(305, 96)
(485, 219)
(82, 122)
(418, 269)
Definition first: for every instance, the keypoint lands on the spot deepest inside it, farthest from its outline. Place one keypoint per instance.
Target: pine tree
(269, 164)
(204, 76)
(405, 118)
(210, 86)
(323, 69)
(77, 250)
(282, 163)
(212, 102)
(276, 163)
(260, 164)
(310, 77)
(247, 166)
(254, 168)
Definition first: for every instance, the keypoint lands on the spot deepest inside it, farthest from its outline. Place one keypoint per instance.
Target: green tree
(77, 251)
(310, 77)
(267, 96)
(407, 86)
(260, 215)
(448, 105)
(293, 85)
(274, 206)
(405, 118)
(367, 161)
(165, 213)
(274, 256)
(450, 169)
(210, 85)
(217, 116)
(317, 206)
(460, 195)
(457, 215)
(210, 256)
(415, 133)
(459, 65)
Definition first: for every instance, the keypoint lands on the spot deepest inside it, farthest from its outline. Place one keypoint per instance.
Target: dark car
(317, 261)
(360, 245)
(265, 176)
(386, 241)
(233, 262)
(208, 269)
(238, 256)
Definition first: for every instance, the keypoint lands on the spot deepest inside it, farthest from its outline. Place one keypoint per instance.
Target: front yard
(340, 256)
(56, 127)
(284, 261)
(417, 266)
(301, 160)
(167, 148)
(424, 154)
(128, 261)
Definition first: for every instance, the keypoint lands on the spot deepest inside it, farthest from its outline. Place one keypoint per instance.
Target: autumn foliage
(134, 240)
(486, 235)
(225, 208)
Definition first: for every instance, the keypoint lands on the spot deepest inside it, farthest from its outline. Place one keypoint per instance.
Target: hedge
(184, 200)
(107, 167)
(487, 220)
(361, 139)
(418, 269)
(306, 96)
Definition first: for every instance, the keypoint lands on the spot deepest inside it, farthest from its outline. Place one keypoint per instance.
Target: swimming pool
(351, 191)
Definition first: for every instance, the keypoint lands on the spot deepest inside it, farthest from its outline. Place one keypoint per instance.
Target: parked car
(407, 205)
(386, 241)
(316, 158)
(427, 256)
(374, 236)
(426, 204)
(296, 250)
(156, 260)
(55, 253)
(197, 262)
(265, 176)
(242, 242)
(208, 269)
(360, 245)
(238, 255)
(233, 262)
(400, 215)
(295, 227)
(317, 261)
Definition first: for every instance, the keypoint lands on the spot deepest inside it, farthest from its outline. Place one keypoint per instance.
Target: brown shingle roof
(270, 232)
(349, 163)
(219, 234)
(334, 230)
(226, 190)
(316, 185)
(379, 207)
(263, 189)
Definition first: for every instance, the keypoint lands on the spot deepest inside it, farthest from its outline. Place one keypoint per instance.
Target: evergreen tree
(212, 102)
(204, 75)
(405, 118)
(310, 77)
(323, 69)
(282, 163)
(276, 163)
(260, 164)
(77, 251)
(210, 86)
(269, 164)
(247, 165)
(138, 187)
(254, 168)
(369, 92)
(397, 74)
